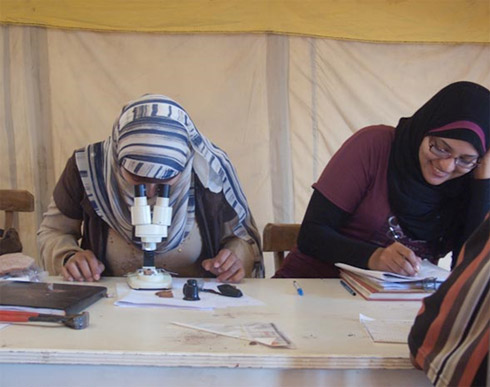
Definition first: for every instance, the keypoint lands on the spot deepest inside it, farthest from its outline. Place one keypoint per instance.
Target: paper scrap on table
(387, 331)
(208, 301)
(262, 333)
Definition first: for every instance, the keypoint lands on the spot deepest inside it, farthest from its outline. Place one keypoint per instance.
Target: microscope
(151, 229)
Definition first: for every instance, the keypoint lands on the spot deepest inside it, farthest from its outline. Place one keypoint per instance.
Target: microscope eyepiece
(139, 190)
(164, 190)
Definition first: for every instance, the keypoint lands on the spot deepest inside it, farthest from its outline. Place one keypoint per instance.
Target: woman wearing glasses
(393, 196)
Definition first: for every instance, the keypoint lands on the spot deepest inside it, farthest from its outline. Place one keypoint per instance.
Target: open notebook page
(427, 270)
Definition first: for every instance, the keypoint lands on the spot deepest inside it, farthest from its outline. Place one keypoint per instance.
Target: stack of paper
(382, 286)
(387, 331)
(148, 298)
(427, 270)
(262, 333)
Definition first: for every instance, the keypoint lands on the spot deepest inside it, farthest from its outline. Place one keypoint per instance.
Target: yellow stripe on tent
(447, 21)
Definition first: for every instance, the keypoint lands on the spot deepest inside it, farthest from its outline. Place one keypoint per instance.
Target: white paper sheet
(386, 331)
(262, 333)
(147, 298)
(427, 270)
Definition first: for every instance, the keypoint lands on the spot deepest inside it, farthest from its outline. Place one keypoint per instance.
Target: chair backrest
(280, 238)
(12, 200)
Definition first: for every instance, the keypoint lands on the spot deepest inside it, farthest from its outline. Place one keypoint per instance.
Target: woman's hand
(226, 266)
(395, 258)
(82, 266)
(482, 171)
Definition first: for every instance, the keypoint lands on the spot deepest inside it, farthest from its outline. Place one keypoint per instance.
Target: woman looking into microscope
(154, 141)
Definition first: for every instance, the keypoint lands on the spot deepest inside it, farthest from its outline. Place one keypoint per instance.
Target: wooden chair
(279, 238)
(12, 201)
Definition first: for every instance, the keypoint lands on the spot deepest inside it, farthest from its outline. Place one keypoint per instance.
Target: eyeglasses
(460, 162)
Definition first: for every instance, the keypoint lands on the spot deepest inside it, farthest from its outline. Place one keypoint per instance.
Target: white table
(134, 346)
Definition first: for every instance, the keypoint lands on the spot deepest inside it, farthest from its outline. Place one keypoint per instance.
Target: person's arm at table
(451, 330)
(319, 238)
(57, 239)
(233, 262)
(236, 257)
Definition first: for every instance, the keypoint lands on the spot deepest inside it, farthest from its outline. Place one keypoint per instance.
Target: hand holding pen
(395, 258)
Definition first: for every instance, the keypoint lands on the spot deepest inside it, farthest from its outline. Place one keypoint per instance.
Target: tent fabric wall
(345, 86)
(280, 106)
(450, 21)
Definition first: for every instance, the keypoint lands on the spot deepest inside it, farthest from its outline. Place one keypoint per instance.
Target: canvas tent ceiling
(454, 21)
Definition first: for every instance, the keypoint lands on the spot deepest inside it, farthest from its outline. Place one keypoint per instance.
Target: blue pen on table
(298, 288)
(348, 288)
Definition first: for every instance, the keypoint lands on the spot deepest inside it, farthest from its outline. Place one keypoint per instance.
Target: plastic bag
(18, 266)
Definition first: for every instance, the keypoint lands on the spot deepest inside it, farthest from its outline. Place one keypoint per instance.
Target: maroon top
(355, 180)
(360, 167)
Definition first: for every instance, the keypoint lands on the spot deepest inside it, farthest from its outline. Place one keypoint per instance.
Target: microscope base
(149, 278)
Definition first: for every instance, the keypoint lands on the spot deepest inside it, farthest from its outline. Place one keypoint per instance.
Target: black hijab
(459, 111)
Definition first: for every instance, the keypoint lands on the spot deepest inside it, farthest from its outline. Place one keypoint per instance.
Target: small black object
(139, 190)
(164, 190)
(191, 291)
(230, 290)
(70, 298)
(148, 258)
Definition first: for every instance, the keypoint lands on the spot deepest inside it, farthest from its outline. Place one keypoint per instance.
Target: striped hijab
(154, 137)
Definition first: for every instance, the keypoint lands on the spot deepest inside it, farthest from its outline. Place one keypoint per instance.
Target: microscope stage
(150, 279)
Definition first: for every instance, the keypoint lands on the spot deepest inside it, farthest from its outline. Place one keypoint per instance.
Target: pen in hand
(348, 288)
(298, 288)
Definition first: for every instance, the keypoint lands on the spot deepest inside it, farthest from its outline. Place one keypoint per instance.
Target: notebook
(427, 270)
(51, 298)
(372, 291)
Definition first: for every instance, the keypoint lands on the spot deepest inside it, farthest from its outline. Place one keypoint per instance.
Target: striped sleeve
(450, 337)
